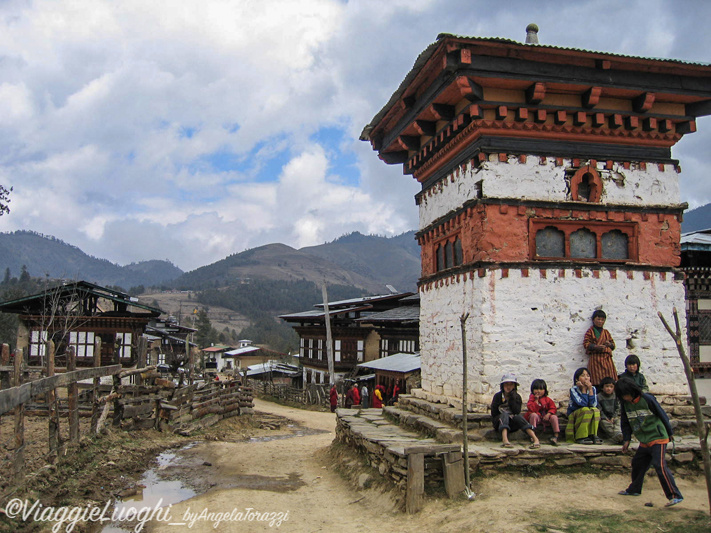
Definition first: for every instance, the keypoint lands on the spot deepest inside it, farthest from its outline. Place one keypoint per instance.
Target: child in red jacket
(542, 409)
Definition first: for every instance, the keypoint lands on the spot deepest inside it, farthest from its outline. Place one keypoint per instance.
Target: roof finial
(532, 34)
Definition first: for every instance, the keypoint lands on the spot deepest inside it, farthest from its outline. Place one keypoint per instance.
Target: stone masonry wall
(532, 322)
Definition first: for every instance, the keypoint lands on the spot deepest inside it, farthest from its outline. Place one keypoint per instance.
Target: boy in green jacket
(643, 416)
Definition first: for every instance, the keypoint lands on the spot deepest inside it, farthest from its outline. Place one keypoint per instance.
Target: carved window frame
(598, 228)
(448, 253)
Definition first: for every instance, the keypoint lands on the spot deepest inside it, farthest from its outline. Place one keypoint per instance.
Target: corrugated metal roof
(406, 313)
(697, 240)
(275, 367)
(570, 49)
(399, 362)
(242, 351)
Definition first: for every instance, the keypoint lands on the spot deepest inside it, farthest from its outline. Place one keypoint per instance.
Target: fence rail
(313, 394)
(151, 402)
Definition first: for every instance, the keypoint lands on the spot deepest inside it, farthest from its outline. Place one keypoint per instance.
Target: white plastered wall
(547, 182)
(534, 327)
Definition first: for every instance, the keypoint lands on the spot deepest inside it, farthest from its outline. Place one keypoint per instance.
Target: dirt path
(292, 475)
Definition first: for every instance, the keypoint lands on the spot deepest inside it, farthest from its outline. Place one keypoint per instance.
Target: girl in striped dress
(598, 345)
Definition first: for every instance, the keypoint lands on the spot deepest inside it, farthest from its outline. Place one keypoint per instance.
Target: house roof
(406, 314)
(76, 291)
(697, 240)
(541, 53)
(243, 351)
(216, 348)
(399, 362)
(274, 367)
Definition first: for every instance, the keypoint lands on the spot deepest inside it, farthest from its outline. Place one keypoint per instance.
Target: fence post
(18, 464)
(95, 389)
(52, 407)
(142, 351)
(73, 398)
(5, 361)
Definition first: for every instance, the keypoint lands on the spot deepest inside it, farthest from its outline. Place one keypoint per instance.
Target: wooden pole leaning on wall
(73, 398)
(95, 411)
(700, 425)
(18, 463)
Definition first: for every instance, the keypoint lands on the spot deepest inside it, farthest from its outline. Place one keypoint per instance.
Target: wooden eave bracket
(536, 93)
(442, 111)
(591, 97)
(394, 158)
(643, 102)
(469, 89)
(425, 127)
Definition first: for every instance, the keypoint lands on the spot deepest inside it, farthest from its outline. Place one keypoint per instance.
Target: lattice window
(704, 328)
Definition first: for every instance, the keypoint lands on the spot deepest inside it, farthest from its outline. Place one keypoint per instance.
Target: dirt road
(264, 477)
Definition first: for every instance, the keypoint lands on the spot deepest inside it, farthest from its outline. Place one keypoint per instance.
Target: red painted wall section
(500, 234)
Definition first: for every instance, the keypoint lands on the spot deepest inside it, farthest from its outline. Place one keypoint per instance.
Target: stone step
(479, 426)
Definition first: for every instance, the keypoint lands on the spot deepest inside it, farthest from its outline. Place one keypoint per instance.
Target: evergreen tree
(24, 275)
(6, 279)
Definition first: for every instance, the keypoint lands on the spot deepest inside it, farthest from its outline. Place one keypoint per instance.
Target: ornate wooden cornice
(462, 89)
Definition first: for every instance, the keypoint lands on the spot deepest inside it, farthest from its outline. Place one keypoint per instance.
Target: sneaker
(627, 493)
(598, 440)
(585, 441)
(674, 501)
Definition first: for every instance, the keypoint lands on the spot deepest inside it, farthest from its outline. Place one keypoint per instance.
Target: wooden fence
(151, 402)
(313, 394)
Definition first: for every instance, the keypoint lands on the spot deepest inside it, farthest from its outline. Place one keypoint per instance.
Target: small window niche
(586, 185)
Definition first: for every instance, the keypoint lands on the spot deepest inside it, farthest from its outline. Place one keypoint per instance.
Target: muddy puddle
(187, 472)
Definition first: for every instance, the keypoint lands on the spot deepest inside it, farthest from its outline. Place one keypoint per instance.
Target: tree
(6, 279)
(24, 274)
(4, 199)
(206, 334)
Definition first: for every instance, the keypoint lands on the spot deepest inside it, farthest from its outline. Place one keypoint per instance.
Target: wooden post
(453, 473)
(118, 410)
(95, 390)
(5, 361)
(73, 398)
(142, 350)
(415, 482)
(329, 338)
(52, 410)
(700, 426)
(191, 361)
(465, 401)
(18, 465)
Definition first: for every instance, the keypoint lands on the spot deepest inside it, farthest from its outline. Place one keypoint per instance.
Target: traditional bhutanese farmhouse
(77, 314)
(548, 191)
(355, 340)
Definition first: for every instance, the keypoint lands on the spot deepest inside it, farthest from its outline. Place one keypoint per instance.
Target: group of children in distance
(622, 407)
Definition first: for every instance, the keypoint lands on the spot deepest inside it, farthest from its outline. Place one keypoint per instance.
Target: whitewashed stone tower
(548, 191)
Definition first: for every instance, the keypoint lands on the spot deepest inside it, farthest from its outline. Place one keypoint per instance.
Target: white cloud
(139, 130)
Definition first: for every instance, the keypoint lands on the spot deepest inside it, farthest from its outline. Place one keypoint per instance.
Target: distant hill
(48, 256)
(365, 262)
(697, 219)
(334, 263)
(390, 261)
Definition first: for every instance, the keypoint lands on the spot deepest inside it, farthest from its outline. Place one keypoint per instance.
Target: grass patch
(677, 520)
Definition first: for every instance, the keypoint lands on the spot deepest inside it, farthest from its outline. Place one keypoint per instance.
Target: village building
(696, 264)
(248, 354)
(548, 191)
(358, 336)
(76, 315)
(401, 369)
(168, 343)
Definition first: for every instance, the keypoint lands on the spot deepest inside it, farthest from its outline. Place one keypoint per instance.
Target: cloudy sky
(190, 130)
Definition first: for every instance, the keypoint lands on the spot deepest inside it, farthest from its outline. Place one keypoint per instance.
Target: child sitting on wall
(609, 411)
(632, 372)
(541, 409)
(583, 414)
(506, 412)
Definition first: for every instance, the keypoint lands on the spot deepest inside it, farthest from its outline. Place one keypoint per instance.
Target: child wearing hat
(506, 412)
